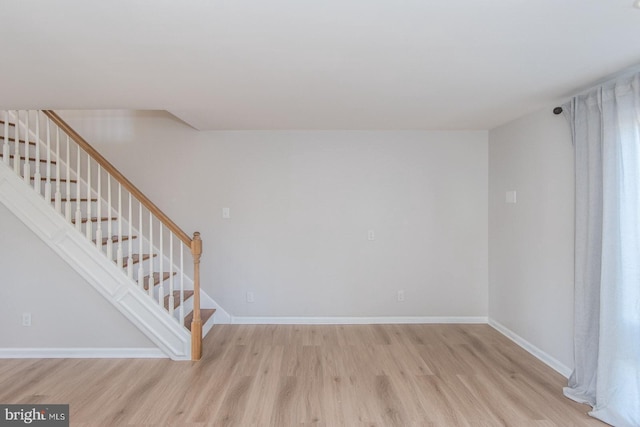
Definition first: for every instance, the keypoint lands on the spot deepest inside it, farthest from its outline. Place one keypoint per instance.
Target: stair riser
(188, 308)
(187, 303)
(21, 149)
(32, 145)
(53, 184)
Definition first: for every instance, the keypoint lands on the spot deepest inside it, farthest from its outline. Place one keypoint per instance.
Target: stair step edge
(93, 219)
(136, 258)
(205, 314)
(156, 279)
(115, 239)
(21, 141)
(176, 298)
(31, 159)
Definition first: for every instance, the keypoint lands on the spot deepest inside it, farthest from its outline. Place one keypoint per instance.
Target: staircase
(106, 229)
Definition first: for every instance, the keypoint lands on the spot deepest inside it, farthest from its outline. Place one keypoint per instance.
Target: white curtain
(606, 133)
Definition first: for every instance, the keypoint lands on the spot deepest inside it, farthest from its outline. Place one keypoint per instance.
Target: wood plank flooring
(292, 375)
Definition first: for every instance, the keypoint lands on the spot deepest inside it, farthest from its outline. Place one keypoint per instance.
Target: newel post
(196, 323)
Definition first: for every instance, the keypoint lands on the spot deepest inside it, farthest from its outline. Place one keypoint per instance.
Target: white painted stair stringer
(102, 273)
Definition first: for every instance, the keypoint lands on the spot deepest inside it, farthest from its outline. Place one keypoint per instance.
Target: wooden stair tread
(31, 159)
(205, 314)
(93, 219)
(10, 124)
(176, 299)
(84, 199)
(52, 179)
(115, 239)
(156, 279)
(21, 141)
(135, 258)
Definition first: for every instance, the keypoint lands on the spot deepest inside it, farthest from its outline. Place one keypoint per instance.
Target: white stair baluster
(99, 213)
(89, 224)
(6, 149)
(47, 184)
(58, 195)
(67, 206)
(181, 284)
(36, 176)
(119, 250)
(151, 278)
(140, 269)
(78, 196)
(129, 266)
(16, 150)
(109, 228)
(27, 164)
(161, 270)
(171, 298)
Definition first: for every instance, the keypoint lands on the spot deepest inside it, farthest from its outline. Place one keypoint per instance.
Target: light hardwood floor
(292, 375)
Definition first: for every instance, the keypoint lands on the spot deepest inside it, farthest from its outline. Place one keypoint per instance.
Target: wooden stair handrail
(104, 163)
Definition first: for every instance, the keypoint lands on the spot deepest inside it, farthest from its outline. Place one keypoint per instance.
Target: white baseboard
(82, 353)
(247, 320)
(548, 360)
(155, 353)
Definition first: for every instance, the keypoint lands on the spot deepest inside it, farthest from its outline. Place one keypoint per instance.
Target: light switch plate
(26, 319)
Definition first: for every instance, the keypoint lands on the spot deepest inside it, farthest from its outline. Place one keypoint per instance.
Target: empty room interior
(337, 213)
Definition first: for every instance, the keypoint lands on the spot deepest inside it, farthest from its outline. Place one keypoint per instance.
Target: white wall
(301, 203)
(66, 311)
(531, 242)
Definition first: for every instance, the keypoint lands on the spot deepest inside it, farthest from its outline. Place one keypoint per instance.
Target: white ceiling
(305, 64)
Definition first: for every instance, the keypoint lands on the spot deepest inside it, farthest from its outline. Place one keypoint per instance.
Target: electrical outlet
(250, 297)
(26, 319)
(400, 296)
(371, 235)
(226, 214)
